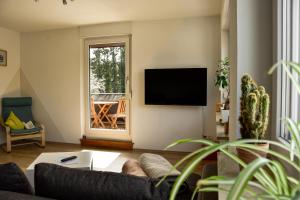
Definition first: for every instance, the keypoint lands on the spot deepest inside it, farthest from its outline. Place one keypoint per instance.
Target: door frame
(110, 134)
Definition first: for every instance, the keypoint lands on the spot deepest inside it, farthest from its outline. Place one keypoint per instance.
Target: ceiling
(27, 15)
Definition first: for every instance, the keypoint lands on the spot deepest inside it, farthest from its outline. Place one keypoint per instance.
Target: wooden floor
(25, 155)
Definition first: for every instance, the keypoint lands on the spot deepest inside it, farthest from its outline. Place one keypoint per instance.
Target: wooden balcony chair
(120, 113)
(22, 108)
(95, 121)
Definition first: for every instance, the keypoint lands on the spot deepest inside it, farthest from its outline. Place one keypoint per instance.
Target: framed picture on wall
(3, 57)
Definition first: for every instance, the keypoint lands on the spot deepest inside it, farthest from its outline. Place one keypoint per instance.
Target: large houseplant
(274, 184)
(222, 75)
(222, 82)
(254, 116)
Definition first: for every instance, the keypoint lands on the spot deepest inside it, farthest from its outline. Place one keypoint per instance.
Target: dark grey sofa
(7, 195)
(56, 182)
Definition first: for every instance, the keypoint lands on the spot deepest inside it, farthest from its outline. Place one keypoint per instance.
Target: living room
(48, 48)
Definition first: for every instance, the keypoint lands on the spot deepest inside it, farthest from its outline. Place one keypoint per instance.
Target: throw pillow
(14, 122)
(13, 179)
(29, 125)
(157, 166)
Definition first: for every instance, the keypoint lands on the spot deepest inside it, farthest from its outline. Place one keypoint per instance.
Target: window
(288, 45)
(107, 88)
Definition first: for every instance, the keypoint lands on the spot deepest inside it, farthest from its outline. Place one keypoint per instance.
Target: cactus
(255, 104)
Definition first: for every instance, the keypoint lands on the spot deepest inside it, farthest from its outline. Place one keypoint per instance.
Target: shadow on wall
(39, 111)
(12, 90)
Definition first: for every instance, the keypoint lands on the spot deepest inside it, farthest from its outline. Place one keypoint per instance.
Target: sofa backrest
(63, 183)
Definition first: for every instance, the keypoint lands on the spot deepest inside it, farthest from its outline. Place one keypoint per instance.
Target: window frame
(107, 133)
(288, 48)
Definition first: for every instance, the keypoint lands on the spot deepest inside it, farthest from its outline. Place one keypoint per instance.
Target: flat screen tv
(176, 86)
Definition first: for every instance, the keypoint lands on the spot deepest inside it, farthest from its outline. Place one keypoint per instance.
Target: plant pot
(225, 115)
(226, 128)
(248, 157)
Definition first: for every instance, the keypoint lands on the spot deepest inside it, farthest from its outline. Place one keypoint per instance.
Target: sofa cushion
(13, 179)
(63, 183)
(18, 196)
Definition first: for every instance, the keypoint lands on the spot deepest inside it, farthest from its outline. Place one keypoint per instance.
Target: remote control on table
(68, 159)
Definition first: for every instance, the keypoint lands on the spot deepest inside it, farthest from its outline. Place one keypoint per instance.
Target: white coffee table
(84, 160)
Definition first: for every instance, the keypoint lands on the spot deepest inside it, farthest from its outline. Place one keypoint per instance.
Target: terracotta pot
(226, 128)
(248, 157)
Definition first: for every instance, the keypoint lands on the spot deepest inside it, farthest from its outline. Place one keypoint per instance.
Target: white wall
(252, 30)
(51, 73)
(10, 75)
(234, 101)
(224, 44)
(178, 43)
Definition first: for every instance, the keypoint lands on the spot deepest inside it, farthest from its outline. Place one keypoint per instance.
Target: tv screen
(177, 86)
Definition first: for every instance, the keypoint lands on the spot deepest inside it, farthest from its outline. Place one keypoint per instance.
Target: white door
(108, 88)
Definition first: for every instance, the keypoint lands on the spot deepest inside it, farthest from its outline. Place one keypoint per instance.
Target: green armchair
(22, 107)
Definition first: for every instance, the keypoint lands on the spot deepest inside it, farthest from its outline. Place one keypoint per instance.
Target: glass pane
(107, 87)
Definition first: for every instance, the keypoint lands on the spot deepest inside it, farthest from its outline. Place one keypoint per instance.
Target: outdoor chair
(120, 113)
(94, 116)
(22, 108)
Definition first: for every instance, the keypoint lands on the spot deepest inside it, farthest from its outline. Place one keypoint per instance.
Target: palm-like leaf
(275, 184)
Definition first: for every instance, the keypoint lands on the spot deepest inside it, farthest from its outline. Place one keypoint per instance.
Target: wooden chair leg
(114, 122)
(43, 139)
(8, 143)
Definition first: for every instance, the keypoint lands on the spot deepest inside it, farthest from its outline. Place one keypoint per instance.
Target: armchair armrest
(2, 122)
(38, 124)
(6, 128)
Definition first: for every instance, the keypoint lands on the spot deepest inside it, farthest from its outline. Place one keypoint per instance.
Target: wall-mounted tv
(176, 86)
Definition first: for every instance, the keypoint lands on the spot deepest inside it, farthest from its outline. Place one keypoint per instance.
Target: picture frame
(3, 58)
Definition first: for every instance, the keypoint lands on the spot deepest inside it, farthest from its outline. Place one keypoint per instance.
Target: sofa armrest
(13, 179)
(208, 171)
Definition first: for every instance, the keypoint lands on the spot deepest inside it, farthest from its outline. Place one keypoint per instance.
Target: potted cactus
(254, 116)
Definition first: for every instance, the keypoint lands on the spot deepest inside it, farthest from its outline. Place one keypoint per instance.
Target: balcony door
(108, 88)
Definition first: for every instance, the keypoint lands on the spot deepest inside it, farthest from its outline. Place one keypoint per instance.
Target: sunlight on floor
(103, 159)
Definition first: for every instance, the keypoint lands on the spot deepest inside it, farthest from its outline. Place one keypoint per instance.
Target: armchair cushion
(14, 122)
(25, 131)
(21, 106)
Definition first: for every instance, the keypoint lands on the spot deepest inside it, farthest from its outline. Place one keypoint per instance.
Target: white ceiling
(27, 15)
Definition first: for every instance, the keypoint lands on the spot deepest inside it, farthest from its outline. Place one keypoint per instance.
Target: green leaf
(244, 177)
(267, 184)
(190, 168)
(295, 133)
(271, 152)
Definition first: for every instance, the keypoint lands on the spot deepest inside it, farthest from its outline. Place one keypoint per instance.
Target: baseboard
(124, 145)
